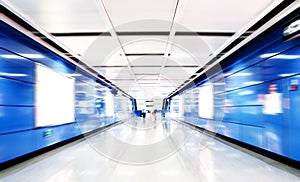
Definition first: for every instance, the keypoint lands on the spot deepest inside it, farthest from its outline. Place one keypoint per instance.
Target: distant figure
(154, 114)
(163, 113)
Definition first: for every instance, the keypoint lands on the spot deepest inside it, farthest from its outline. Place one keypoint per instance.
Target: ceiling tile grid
(146, 47)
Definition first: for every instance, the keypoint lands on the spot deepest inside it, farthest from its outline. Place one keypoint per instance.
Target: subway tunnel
(174, 90)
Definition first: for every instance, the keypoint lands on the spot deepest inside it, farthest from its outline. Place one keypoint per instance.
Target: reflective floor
(149, 150)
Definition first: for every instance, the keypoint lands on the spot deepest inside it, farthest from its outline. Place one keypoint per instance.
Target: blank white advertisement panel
(54, 98)
(206, 101)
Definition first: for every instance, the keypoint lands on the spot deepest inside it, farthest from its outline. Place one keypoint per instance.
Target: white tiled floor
(148, 151)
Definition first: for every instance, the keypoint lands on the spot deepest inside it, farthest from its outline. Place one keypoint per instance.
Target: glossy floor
(149, 150)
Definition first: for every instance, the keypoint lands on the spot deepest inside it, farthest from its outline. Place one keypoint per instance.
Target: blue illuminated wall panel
(18, 134)
(293, 127)
(16, 93)
(50, 135)
(274, 119)
(13, 118)
(250, 96)
(16, 67)
(282, 65)
(231, 130)
(253, 135)
(262, 97)
(16, 144)
(244, 78)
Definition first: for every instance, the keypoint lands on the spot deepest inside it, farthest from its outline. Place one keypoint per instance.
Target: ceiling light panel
(166, 84)
(147, 77)
(64, 16)
(181, 60)
(174, 77)
(144, 46)
(78, 44)
(104, 51)
(215, 15)
(214, 42)
(183, 72)
(146, 71)
(187, 52)
(142, 81)
(145, 61)
(124, 14)
(191, 45)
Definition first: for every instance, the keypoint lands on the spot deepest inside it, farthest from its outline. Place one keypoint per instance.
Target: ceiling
(146, 48)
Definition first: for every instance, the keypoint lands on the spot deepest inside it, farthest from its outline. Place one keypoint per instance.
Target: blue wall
(267, 62)
(18, 134)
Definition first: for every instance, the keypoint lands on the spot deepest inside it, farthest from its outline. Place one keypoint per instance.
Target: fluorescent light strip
(12, 56)
(13, 74)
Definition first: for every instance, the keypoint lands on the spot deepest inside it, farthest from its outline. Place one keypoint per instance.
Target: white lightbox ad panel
(54, 98)
(109, 104)
(206, 101)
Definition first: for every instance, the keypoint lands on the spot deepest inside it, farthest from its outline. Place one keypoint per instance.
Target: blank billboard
(206, 101)
(54, 98)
